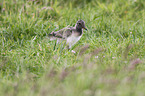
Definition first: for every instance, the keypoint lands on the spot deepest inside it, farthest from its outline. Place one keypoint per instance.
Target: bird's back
(63, 33)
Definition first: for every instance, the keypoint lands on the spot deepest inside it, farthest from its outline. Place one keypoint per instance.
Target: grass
(109, 58)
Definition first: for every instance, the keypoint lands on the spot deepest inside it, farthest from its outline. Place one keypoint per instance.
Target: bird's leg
(54, 45)
(67, 47)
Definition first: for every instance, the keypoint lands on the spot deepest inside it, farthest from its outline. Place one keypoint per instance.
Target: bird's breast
(73, 39)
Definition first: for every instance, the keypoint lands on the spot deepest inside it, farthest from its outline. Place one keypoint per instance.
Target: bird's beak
(85, 28)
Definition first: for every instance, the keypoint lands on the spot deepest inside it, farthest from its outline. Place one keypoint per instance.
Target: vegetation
(109, 58)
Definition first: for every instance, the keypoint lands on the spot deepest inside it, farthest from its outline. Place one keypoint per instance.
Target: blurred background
(109, 58)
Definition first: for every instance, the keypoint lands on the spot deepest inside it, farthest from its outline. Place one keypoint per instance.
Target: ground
(109, 58)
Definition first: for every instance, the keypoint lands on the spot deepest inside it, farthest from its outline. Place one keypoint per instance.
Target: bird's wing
(63, 33)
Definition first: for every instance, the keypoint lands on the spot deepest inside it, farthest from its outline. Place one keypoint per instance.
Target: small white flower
(96, 56)
(73, 51)
(113, 57)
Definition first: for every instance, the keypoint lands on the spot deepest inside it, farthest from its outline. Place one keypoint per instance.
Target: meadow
(109, 58)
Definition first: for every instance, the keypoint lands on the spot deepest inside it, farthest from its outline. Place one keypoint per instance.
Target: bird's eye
(79, 23)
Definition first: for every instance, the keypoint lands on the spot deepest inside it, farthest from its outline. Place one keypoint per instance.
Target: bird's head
(80, 24)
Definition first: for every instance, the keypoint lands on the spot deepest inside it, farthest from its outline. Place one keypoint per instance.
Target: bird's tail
(51, 34)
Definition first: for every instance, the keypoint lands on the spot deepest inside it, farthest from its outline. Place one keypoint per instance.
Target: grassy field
(109, 58)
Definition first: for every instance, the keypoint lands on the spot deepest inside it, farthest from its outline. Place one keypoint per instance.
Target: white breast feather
(72, 40)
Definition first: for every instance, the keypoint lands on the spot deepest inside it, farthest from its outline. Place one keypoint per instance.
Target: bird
(70, 34)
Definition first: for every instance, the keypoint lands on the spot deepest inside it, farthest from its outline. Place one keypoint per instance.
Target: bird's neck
(79, 30)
